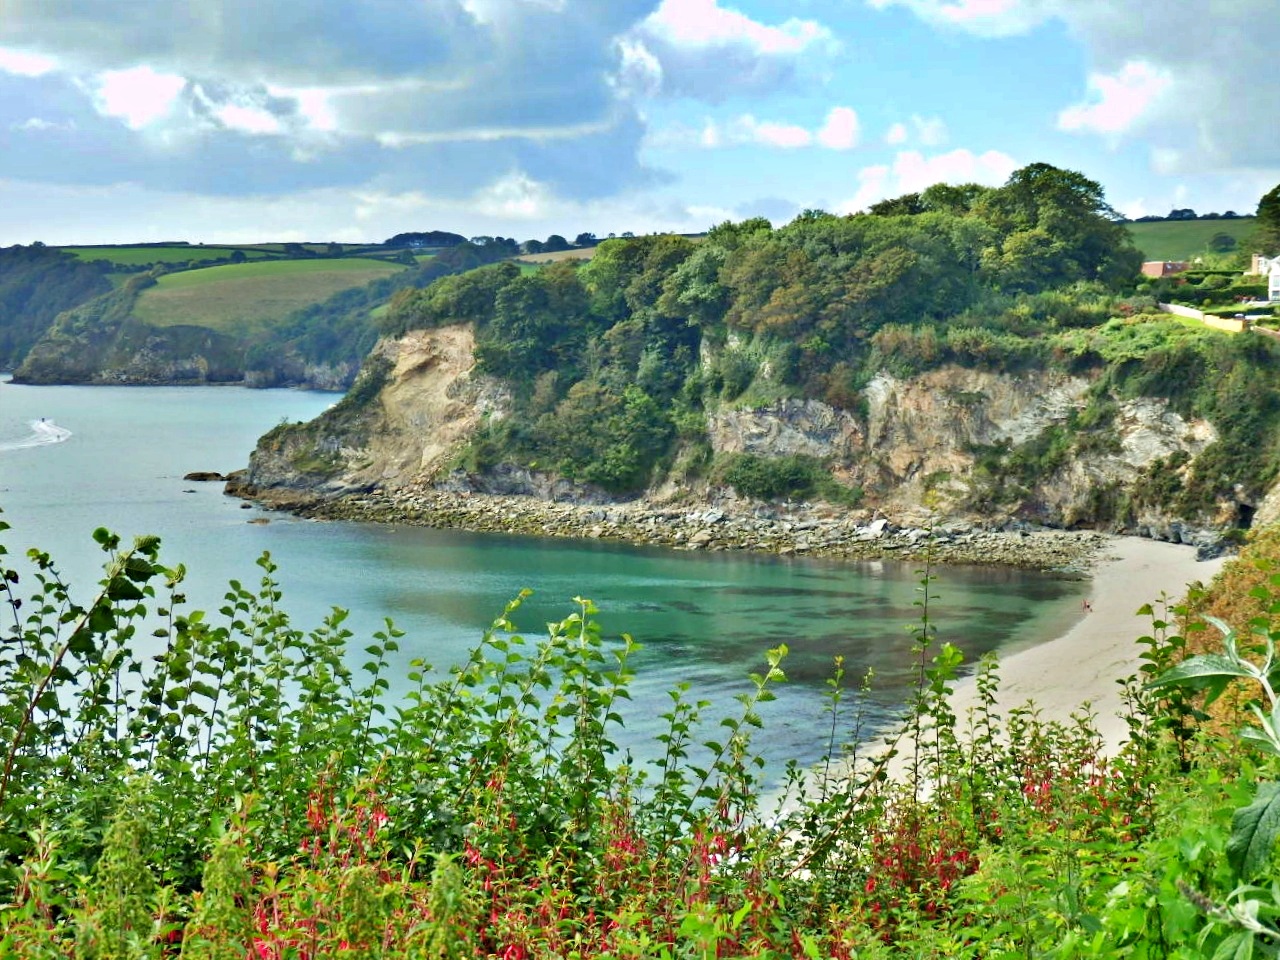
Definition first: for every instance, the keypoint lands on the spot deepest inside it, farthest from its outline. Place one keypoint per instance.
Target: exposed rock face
(428, 406)
(787, 428)
(913, 447)
(918, 443)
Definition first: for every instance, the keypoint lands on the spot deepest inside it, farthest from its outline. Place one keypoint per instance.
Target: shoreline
(1082, 666)
(1080, 670)
(1085, 664)
(800, 531)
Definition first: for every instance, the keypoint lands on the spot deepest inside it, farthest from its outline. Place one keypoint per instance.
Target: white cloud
(741, 131)
(139, 96)
(704, 23)
(926, 131)
(39, 123)
(994, 18)
(248, 119)
(1199, 82)
(703, 50)
(911, 172)
(786, 136)
(841, 129)
(1118, 100)
(25, 64)
(639, 71)
(514, 197)
(931, 132)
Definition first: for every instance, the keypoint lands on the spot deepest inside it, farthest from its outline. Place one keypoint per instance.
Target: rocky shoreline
(807, 532)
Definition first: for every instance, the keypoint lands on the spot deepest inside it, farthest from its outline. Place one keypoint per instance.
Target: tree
(952, 198)
(555, 244)
(532, 246)
(1222, 243)
(585, 239)
(1186, 213)
(1057, 228)
(906, 205)
(431, 238)
(1266, 236)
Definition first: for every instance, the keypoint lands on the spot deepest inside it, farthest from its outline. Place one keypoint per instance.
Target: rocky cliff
(920, 440)
(953, 440)
(414, 404)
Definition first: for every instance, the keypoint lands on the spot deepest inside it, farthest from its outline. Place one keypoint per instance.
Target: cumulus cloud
(912, 171)
(23, 63)
(703, 50)
(1118, 101)
(839, 131)
(926, 131)
(1198, 82)
(705, 24)
(139, 96)
(243, 96)
(993, 18)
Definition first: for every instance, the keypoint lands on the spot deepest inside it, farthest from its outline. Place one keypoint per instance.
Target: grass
(135, 256)
(1184, 239)
(237, 297)
(584, 253)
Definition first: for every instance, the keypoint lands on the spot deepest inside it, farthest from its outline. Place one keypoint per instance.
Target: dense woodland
(617, 361)
(36, 284)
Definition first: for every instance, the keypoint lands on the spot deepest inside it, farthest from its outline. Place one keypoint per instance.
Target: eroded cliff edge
(973, 446)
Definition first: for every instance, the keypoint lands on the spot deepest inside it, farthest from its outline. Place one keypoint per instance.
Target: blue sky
(244, 120)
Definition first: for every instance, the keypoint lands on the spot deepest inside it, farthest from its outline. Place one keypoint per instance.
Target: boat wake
(43, 433)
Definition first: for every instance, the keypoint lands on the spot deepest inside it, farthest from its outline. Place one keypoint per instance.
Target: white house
(1270, 268)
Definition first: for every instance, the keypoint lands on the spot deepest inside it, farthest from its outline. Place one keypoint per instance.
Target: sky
(352, 120)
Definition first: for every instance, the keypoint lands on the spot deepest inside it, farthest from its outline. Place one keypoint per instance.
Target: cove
(702, 619)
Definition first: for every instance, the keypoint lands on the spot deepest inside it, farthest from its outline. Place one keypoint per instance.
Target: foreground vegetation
(249, 792)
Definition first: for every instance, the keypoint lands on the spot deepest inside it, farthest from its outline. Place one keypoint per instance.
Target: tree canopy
(609, 343)
(1267, 231)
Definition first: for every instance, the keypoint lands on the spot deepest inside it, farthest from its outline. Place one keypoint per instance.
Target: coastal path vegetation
(250, 792)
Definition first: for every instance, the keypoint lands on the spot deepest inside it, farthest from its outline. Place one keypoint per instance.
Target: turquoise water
(702, 618)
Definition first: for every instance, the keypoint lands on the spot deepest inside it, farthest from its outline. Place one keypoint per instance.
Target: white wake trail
(43, 433)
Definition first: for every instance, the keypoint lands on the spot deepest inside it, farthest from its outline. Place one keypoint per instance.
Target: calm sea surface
(702, 618)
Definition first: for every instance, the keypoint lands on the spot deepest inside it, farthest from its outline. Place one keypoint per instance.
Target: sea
(75, 458)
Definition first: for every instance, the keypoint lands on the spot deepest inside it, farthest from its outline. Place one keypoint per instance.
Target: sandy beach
(1081, 667)
(1084, 664)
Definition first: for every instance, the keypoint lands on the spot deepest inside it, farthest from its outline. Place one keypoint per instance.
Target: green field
(1184, 239)
(136, 256)
(237, 298)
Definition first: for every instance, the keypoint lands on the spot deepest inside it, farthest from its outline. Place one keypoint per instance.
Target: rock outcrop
(917, 444)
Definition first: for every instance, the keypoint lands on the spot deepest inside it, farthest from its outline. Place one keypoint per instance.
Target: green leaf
(121, 589)
(1253, 832)
(1204, 666)
(1260, 739)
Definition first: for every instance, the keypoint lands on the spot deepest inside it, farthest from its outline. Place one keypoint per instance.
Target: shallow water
(702, 618)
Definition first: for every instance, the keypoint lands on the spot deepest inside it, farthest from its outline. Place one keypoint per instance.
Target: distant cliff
(264, 324)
